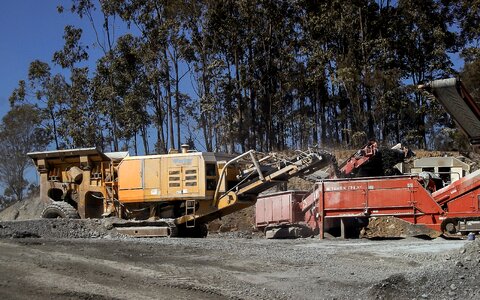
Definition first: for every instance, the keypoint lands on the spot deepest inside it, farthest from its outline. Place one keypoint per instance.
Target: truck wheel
(450, 226)
(60, 209)
(203, 231)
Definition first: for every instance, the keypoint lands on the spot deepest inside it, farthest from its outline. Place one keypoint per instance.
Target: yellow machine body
(170, 177)
(191, 188)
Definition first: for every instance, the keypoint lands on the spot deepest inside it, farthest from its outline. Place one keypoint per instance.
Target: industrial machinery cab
(449, 169)
(181, 192)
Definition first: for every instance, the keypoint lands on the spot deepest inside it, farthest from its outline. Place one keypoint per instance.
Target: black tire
(60, 209)
(450, 226)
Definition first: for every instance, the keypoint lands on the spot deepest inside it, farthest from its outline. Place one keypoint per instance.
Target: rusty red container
(281, 208)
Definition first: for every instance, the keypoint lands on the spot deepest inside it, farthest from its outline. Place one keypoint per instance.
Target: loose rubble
(392, 227)
(235, 267)
(27, 209)
(454, 277)
(58, 228)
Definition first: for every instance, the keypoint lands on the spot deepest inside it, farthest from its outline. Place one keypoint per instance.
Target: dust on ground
(46, 265)
(452, 275)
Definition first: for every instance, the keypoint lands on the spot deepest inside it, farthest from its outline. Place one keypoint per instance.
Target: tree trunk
(161, 145)
(135, 148)
(144, 134)
(240, 130)
(169, 100)
(177, 102)
(54, 124)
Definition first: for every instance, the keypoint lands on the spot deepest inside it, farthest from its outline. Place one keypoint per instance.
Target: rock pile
(456, 278)
(58, 228)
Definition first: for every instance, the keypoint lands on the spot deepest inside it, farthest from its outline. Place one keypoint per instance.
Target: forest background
(224, 75)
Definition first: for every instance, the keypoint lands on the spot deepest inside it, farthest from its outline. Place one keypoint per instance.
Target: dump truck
(173, 194)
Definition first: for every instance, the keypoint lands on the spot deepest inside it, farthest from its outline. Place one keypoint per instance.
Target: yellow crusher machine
(173, 194)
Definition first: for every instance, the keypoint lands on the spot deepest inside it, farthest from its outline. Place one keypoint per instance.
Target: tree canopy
(268, 75)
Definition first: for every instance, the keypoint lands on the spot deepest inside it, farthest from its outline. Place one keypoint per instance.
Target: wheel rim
(450, 228)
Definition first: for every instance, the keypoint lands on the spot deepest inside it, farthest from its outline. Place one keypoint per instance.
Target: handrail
(220, 179)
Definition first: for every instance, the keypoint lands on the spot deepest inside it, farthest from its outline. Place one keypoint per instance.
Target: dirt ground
(38, 262)
(88, 259)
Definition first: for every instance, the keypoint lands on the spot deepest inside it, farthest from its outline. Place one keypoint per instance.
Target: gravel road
(226, 267)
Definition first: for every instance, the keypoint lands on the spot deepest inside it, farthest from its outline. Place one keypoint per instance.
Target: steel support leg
(342, 228)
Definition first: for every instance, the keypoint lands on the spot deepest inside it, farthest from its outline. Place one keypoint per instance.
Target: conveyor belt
(453, 95)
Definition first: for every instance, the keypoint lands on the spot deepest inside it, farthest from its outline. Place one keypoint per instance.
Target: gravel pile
(27, 209)
(58, 228)
(237, 235)
(392, 227)
(456, 277)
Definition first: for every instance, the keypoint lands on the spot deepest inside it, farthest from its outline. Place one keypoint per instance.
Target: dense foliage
(267, 74)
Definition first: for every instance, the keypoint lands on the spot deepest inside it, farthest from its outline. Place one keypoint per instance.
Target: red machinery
(281, 214)
(454, 208)
(346, 204)
(291, 213)
(359, 159)
(372, 161)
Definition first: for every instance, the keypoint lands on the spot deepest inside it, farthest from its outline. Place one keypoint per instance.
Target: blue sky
(29, 30)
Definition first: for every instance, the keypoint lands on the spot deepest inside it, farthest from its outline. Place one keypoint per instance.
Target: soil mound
(392, 227)
(27, 209)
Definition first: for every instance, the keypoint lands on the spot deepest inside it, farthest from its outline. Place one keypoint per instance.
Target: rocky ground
(55, 259)
(88, 259)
